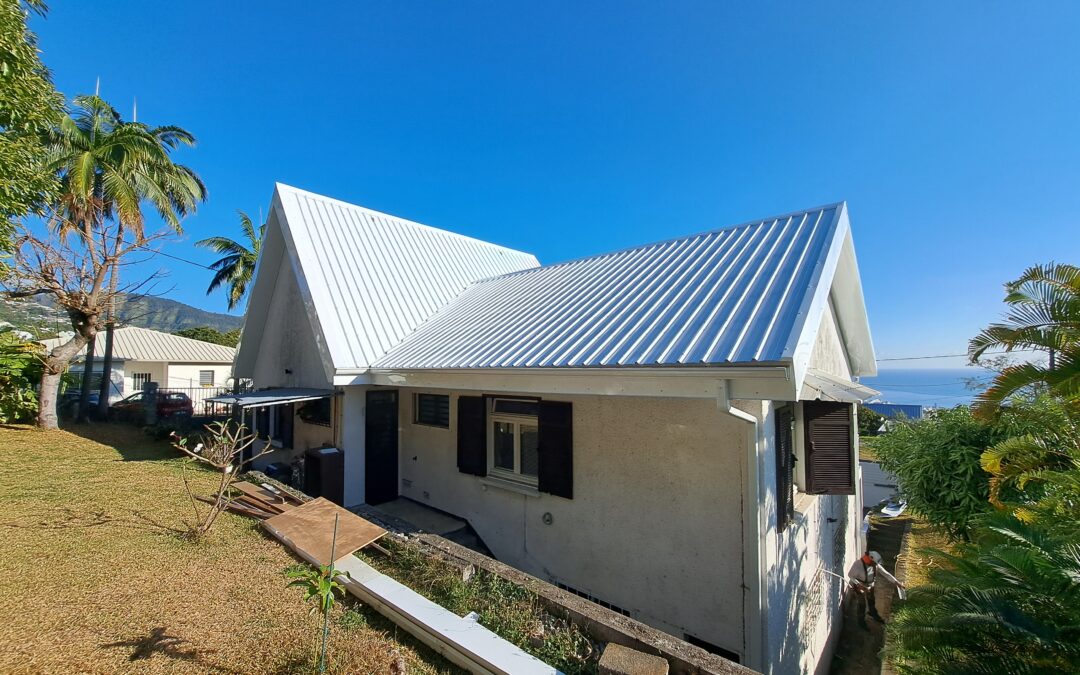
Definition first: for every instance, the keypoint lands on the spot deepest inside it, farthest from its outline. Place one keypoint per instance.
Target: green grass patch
(511, 611)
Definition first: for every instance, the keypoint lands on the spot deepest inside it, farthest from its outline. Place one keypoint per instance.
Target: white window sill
(803, 503)
(509, 485)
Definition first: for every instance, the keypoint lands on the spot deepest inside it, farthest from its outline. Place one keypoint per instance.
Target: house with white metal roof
(667, 429)
(141, 355)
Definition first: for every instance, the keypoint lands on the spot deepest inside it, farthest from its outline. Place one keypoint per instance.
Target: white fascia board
(851, 315)
(302, 264)
(772, 382)
(801, 342)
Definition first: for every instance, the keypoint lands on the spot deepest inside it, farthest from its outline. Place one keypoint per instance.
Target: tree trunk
(55, 364)
(106, 374)
(106, 364)
(50, 385)
(88, 376)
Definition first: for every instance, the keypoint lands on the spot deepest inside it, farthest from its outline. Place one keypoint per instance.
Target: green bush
(936, 462)
(20, 369)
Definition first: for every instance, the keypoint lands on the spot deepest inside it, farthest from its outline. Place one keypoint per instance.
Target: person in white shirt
(861, 577)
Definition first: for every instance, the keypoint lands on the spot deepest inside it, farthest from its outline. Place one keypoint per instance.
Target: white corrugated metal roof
(735, 295)
(142, 344)
(369, 278)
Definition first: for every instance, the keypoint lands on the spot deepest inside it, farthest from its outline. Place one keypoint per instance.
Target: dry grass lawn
(95, 577)
(917, 561)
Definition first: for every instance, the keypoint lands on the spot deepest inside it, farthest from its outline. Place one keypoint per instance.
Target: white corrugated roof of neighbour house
(738, 295)
(370, 279)
(142, 344)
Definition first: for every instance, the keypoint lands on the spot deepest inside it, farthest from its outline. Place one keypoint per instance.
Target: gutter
(755, 581)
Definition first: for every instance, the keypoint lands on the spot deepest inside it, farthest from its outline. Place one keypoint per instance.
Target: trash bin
(324, 474)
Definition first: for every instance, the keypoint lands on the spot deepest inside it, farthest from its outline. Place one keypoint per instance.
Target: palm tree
(1044, 315)
(236, 267)
(1009, 602)
(108, 169)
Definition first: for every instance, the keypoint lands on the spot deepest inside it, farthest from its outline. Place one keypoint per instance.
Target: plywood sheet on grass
(309, 529)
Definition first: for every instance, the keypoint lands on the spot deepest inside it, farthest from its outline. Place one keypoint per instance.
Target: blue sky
(569, 128)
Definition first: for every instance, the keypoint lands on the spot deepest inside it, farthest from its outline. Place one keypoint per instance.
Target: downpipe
(755, 581)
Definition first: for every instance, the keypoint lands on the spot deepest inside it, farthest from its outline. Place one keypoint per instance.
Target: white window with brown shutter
(828, 431)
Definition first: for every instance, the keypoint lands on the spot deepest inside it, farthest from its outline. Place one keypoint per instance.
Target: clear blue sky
(568, 128)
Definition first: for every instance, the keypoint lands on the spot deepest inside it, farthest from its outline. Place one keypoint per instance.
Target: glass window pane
(530, 458)
(503, 444)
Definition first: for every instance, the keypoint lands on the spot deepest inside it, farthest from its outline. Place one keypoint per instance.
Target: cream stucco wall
(287, 342)
(655, 525)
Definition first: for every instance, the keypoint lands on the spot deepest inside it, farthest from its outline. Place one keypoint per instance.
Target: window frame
(212, 377)
(517, 421)
(416, 410)
(140, 380)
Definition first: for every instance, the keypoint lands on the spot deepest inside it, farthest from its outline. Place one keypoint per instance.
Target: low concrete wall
(600, 623)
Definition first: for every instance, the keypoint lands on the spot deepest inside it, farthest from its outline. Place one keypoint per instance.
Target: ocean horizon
(930, 387)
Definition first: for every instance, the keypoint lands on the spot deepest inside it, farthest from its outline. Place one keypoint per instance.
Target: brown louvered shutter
(785, 467)
(471, 436)
(556, 449)
(830, 448)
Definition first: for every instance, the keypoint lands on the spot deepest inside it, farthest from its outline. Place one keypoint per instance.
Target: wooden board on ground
(310, 529)
(278, 501)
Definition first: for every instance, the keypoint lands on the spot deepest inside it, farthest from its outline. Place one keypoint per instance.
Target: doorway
(381, 446)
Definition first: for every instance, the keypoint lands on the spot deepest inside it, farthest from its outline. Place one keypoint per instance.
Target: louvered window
(830, 448)
(785, 466)
(432, 410)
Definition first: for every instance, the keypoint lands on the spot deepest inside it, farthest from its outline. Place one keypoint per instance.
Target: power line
(948, 356)
(169, 255)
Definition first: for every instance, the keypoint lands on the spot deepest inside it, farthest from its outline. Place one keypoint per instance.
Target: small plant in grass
(321, 588)
(221, 448)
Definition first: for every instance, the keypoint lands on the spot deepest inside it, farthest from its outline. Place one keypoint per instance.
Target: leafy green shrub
(936, 461)
(20, 368)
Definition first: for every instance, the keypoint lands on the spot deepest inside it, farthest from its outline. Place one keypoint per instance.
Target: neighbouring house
(141, 355)
(878, 484)
(892, 411)
(667, 429)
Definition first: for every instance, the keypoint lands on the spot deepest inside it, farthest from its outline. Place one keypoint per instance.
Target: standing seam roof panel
(726, 296)
(375, 278)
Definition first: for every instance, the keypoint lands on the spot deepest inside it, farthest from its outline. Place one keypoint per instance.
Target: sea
(929, 387)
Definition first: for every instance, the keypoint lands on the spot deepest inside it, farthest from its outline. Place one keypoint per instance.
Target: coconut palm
(108, 169)
(1044, 315)
(236, 267)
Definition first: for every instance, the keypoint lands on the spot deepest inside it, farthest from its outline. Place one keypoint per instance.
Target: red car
(169, 404)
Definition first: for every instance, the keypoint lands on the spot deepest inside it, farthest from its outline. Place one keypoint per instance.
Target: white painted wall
(287, 341)
(878, 485)
(805, 613)
(186, 375)
(828, 354)
(655, 525)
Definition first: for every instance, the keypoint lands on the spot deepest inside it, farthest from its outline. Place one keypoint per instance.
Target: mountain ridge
(44, 319)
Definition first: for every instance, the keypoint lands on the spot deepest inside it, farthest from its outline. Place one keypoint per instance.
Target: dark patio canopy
(268, 397)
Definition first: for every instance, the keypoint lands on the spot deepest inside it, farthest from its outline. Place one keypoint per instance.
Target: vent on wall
(593, 598)
(711, 648)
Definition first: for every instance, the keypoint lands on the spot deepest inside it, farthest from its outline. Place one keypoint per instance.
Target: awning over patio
(821, 386)
(269, 397)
